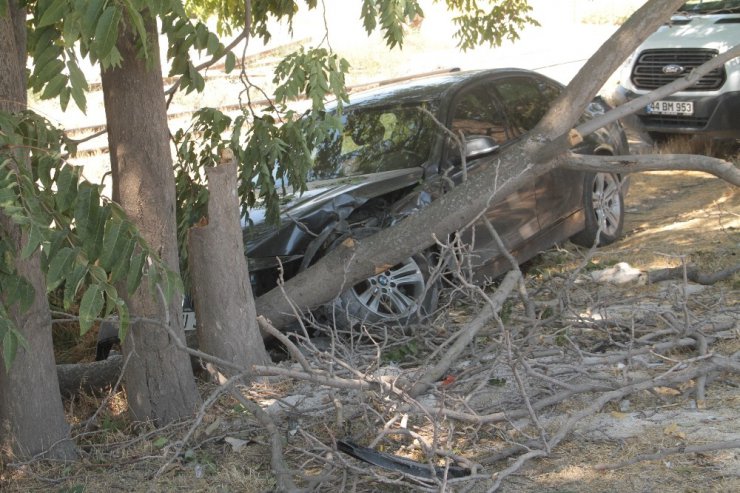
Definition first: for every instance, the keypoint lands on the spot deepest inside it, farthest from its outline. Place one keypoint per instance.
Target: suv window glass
(526, 100)
(375, 140)
(477, 113)
(711, 7)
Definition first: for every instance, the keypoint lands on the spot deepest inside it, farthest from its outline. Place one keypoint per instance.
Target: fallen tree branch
(468, 334)
(683, 449)
(89, 376)
(651, 162)
(692, 274)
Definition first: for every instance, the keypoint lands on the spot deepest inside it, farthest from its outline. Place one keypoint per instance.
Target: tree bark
(224, 304)
(159, 380)
(349, 264)
(31, 413)
(89, 377)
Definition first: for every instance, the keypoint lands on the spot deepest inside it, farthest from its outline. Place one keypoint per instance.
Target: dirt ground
(672, 217)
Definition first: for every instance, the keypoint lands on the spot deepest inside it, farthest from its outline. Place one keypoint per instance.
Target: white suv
(699, 31)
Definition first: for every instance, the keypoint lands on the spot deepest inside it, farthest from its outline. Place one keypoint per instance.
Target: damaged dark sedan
(400, 146)
(397, 150)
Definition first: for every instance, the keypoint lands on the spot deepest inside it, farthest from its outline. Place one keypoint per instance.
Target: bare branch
(652, 162)
(692, 274)
(684, 449)
(469, 333)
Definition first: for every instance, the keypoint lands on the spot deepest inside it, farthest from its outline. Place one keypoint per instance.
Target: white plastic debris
(620, 273)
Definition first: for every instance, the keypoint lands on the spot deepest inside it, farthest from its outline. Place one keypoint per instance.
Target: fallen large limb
(692, 274)
(683, 449)
(89, 376)
(652, 162)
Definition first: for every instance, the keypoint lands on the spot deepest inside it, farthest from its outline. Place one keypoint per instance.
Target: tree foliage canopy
(88, 246)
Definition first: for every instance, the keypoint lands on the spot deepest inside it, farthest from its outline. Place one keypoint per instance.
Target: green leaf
(69, 177)
(135, 272)
(92, 14)
(124, 319)
(73, 283)
(18, 290)
(9, 194)
(59, 264)
(154, 277)
(160, 442)
(230, 62)
(64, 97)
(90, 217)
(79, 85)
(91, 305)
(213, 43)
(46, 73)
(112, 299)
(173, 284)
(138, 22)
(48, 53)
(34, 240)
(10, 347)
(106, 31)
(53, 13)
(113, 240)
(121, 265)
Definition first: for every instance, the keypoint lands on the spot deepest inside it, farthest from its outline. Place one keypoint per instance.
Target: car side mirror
(479, 145)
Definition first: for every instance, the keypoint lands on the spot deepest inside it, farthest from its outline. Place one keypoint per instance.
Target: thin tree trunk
(224, 304)
(159, 380)
(31, 413)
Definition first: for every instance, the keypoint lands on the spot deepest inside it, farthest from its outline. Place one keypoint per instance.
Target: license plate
(684, 108)
(188, 320)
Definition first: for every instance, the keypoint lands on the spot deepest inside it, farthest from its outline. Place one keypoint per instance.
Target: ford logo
(673, 69)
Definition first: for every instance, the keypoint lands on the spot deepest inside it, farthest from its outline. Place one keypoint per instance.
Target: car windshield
(375, 140)
(711, 7)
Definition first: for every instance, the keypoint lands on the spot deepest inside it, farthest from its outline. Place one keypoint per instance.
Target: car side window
(525, 100)
(374, 140)
(476, 112)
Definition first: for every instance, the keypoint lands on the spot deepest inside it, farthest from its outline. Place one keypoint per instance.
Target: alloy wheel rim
(393, 293)
(607, 202)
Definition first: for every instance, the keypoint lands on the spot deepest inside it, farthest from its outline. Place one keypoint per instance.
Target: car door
(475, 111)
(526, 99)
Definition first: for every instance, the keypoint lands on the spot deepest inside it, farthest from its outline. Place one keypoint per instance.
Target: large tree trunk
(31, 412)
(349, 264)
(159, 380)
(224, 305)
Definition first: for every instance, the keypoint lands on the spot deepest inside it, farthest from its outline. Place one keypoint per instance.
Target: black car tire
(400, 295)
(603, 205)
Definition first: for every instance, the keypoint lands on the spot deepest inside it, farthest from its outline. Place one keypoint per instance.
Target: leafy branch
(89, 248)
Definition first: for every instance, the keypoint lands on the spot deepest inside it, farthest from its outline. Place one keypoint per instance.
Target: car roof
(427, 88)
